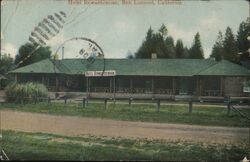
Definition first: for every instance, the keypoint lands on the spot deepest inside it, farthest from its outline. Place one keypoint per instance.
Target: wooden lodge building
(139, 78)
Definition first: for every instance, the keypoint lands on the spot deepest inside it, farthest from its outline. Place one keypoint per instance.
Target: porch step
(211, 99)
(185, 97)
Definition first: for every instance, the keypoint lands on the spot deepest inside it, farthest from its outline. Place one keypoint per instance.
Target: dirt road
(76, 126)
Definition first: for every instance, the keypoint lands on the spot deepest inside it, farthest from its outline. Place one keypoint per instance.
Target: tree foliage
(163, 31)
(154, 43)
(26, 49)
(6, 63)
(180, 51)
(170, 48)
(186, 52)
(229, 45)
(25, 92)
(242, 34)
(158, 43)
(164, 46)
(218, 48)
(226, 47)
(243, 43)
(129, 55)
(196, 51)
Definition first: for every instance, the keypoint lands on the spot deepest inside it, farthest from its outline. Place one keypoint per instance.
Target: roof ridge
(60, 62)
(54, 64)
(225, 67)
(205, 68)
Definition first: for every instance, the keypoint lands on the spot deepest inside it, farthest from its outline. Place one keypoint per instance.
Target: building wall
(228, 86)
(234, 86)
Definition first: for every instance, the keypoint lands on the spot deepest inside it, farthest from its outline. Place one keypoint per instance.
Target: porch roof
(44, 66)
(225, 68)
(145, 67)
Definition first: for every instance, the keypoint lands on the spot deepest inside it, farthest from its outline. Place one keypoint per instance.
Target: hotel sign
(100, 73)
(246, 89)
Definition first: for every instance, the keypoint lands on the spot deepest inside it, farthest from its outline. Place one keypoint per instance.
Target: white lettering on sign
(100, 73)
(246, 89)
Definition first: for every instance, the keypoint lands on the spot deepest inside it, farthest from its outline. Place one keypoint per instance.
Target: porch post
(48, 82)
(200, 89)
(110, 84)
(56, 83)
(87, 89)
(131, 85)
(16, 77)
(152, 86)
(222, 84)
(43, 79)
(198, 86)
(114, 86)
(174, 85)
(87, 85)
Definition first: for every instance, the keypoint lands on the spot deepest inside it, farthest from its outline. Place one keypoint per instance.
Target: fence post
(158, 105)
(49, 100)
(35, 99)
(105, 102)
(83, 102)
(190, 106)
(87, 100)
(228, 107)
(130, 101)
(65, 100)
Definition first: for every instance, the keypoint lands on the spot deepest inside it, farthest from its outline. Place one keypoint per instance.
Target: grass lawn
(40, 146)
(214, 116)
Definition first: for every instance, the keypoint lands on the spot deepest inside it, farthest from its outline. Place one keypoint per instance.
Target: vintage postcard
(111, 80)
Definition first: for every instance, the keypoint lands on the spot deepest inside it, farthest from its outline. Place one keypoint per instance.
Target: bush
(25, 92)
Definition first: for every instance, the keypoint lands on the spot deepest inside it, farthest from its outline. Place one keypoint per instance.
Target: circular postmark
(84, 55)
(87, 52)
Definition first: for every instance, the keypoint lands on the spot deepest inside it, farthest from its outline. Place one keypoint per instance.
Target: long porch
(123, 85)
(195, 86)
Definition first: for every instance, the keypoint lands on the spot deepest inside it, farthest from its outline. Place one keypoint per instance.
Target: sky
(119, 28)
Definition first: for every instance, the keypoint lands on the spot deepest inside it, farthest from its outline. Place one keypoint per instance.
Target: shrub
(25, 92)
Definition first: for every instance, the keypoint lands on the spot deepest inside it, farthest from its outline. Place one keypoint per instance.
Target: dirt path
(76, 126)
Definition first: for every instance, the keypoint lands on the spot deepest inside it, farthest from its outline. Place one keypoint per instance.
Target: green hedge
(25, 92)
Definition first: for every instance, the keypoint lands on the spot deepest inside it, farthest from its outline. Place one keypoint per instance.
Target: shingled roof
(44, 66)
(225, 68)
(146, 67)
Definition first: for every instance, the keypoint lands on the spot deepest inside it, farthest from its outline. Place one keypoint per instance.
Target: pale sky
(121, 28)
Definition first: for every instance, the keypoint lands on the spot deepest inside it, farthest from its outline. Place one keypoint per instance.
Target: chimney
(62, 53)
(154, 56)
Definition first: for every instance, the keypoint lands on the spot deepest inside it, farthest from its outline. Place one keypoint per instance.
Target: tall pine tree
(218, 49)
(180, 51)
(170, 49)
(163, 30)
(158, 46)
(196, 51)
(242, 43)
(145, 49)
(154, 43)
(186, 52)
(229, 45)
